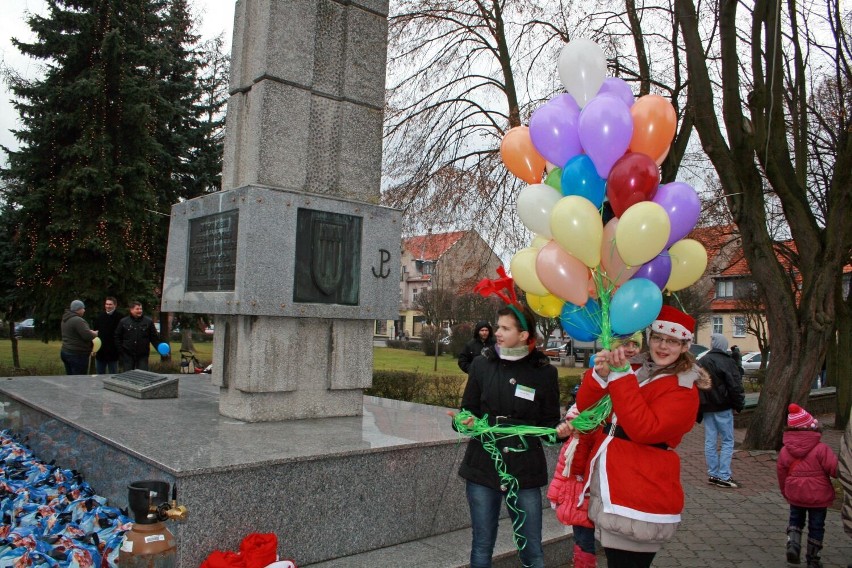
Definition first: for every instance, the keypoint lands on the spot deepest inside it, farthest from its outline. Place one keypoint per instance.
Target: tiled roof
(433, 246)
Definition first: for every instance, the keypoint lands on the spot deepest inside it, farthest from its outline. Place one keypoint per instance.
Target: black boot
(814, 547)
(794, 545)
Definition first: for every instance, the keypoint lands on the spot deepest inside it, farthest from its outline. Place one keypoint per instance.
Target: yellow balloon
(539, 241)
(523, 271)
(96, 344)
(546, 306)
(689, 261)
(576, 225)
(642, 233)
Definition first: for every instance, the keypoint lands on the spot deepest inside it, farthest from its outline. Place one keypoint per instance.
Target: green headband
(521, 318)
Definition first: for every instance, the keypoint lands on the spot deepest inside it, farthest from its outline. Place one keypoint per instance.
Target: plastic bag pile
(51, 517)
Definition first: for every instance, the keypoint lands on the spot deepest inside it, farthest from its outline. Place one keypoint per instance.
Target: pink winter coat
(804, 467)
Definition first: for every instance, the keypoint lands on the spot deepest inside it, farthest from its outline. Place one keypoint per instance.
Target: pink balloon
(682, 205)
(605, 129)
(562, 274)
(614, 267)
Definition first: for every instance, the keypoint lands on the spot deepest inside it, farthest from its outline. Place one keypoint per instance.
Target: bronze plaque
(211, 264)
(328, 258)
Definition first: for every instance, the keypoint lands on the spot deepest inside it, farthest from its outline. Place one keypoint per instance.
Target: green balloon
(554, 179)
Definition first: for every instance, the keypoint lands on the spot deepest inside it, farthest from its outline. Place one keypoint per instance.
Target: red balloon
(634, 178)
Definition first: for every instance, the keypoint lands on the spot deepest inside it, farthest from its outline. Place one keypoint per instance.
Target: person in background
(805, 466)
(132, 337)
(106, 359)
(511, 383)
(844, 474)
(483, 336)
(717, 407)
(635, 494)
(738, 359)
(76, 340)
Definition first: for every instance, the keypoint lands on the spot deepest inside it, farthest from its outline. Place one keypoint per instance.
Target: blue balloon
(164, 349)
(579, 177)
(591, 362)
(582, 323)
(634, 306)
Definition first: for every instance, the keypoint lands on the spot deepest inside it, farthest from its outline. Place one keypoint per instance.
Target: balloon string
(488, 435)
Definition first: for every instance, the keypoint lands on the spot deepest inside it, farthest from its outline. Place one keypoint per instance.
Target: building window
(428, 267)
(724, 288)
(717, 325)
(414, 293)
(739, 326)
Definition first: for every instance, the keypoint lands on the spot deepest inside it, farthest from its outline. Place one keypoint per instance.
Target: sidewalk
(743, 527)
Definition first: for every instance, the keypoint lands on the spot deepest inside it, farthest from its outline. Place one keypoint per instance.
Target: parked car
(25, 328)
(751, 362)
(557, 348)
(698, 350)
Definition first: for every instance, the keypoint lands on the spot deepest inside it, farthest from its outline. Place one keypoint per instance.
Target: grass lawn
(40, 358)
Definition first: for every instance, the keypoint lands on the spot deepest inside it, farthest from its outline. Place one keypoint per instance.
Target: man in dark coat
(737, 356)
(132, 336)
(106, 359)
(718, 405)
(483, 336)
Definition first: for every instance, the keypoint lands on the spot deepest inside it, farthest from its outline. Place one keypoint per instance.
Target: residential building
(453, 261)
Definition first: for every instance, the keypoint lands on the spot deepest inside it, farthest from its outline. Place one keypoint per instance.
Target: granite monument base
(333, 490)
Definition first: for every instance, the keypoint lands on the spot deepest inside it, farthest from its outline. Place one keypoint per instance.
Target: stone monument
(293, 256)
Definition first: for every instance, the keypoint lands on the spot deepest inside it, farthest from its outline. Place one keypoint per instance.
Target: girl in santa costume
(633, 476)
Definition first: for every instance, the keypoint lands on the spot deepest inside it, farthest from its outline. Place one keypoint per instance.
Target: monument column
(294, 256)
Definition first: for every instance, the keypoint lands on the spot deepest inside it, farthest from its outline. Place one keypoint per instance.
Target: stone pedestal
(293, 256)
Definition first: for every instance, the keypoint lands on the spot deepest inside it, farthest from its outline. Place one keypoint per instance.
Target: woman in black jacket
(512, 383)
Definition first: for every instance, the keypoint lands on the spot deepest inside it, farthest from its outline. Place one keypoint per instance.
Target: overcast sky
(215, 17)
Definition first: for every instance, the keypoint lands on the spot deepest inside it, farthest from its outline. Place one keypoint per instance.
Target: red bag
(568, 512)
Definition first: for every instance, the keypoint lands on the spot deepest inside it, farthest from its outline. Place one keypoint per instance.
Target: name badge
(525, 392)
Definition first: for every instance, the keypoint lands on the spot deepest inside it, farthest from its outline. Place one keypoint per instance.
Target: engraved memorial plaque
(328, 258)
(212, 258)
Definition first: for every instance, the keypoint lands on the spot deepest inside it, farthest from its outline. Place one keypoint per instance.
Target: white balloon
(535, 203)
(582, 69)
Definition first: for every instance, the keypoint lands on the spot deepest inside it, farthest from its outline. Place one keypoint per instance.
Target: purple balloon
(619, 88)
(657, 270)
(606, 128)
(553, 130)
(682, 205)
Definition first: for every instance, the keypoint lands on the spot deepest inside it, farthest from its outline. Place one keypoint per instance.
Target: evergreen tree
(106, 148)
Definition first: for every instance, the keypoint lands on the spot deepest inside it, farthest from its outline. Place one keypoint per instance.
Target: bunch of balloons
(609, 239)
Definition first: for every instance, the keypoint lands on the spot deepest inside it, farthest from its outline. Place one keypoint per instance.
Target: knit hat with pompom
(798, 417)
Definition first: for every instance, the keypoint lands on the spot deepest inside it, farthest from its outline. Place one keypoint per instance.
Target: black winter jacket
(132, 335)
(474, 347)
(727, 390)
(106, 325)
(491, 389)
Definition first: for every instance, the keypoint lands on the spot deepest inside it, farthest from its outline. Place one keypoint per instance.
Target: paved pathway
(743, 527)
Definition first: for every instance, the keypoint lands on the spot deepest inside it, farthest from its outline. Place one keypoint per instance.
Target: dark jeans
(75, 363)
(816, 520)
(106, 366)
(130, 361)
(616, 558)
(485, 506)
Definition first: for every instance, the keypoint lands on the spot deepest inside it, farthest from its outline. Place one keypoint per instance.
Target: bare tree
(769, 62)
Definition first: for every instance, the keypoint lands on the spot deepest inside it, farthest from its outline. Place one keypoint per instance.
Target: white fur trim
(671, 329)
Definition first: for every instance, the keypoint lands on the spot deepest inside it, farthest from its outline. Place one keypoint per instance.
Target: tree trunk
(836, 365)
(16, 358)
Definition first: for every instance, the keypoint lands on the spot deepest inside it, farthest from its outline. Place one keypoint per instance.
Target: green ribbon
(488, 435)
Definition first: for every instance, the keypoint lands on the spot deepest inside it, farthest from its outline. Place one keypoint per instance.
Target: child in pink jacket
(805, 465)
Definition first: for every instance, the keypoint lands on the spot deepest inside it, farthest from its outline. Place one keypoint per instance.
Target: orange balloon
(520, 156)
(654, 125)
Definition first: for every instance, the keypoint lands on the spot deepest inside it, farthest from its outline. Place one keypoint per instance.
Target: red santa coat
(639, 480)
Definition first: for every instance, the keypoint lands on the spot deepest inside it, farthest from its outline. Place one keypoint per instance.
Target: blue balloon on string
(591, 362)
(634, 306)
(582, 323)
(579, 177)
(164, 349)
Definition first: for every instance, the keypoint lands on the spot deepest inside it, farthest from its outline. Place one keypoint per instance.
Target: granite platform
(328, 488)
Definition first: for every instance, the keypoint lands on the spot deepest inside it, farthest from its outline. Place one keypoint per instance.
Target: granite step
(452, 550)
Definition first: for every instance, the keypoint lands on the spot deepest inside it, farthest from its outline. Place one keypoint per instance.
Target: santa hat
(674, 323)
(798, 417)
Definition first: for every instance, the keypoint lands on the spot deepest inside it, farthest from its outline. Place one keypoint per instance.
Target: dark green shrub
(408, 345)
(414, 387)
(428, 337)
